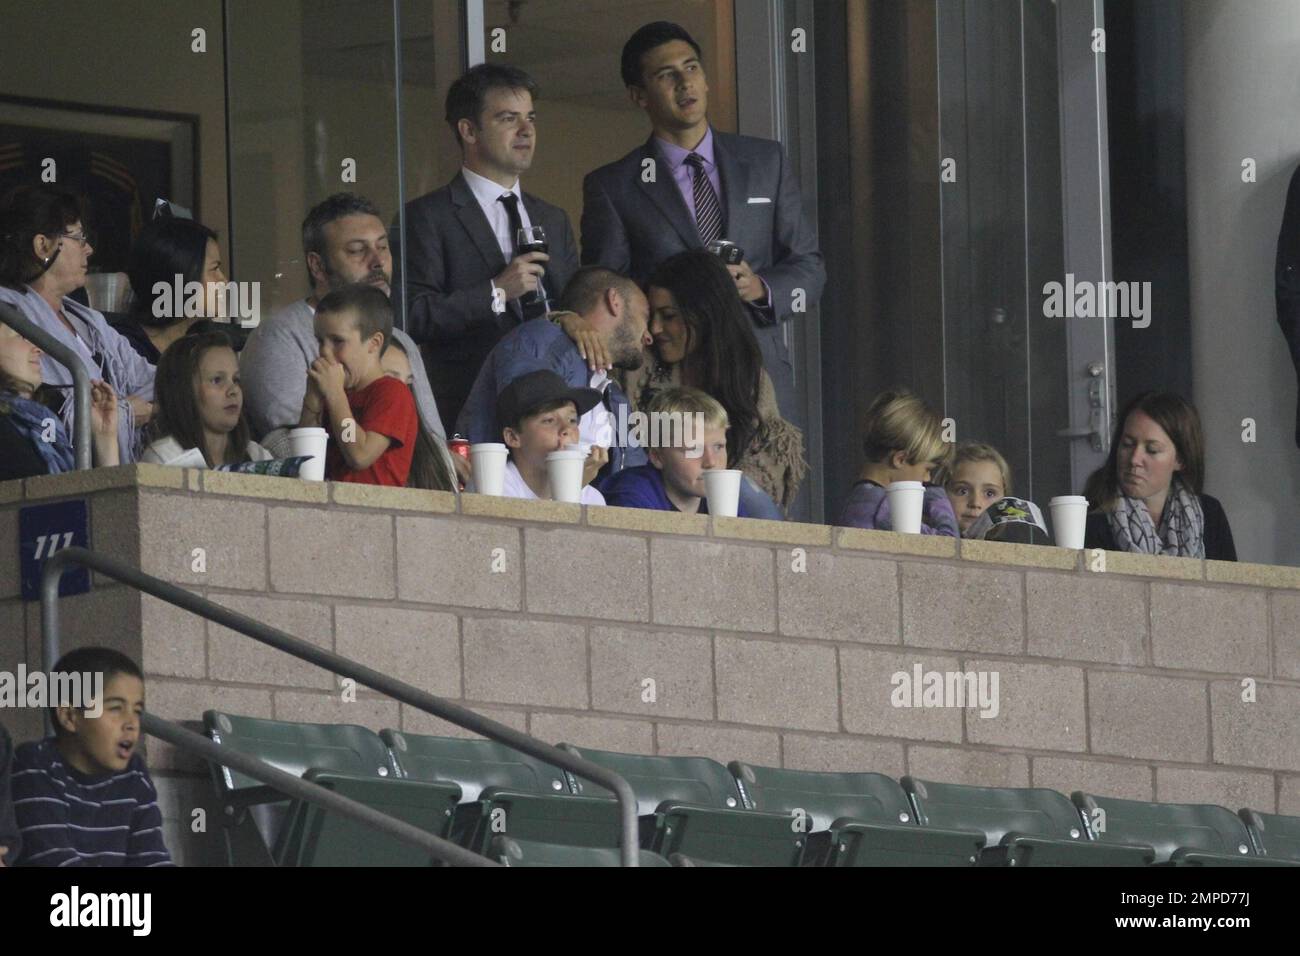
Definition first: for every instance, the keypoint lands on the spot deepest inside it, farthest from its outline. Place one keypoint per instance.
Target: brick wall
(774, 643)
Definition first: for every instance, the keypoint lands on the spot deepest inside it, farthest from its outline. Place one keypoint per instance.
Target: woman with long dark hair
(201, 404)
(1148, 497)
(703, 339)
(166, 252)
(44, 256)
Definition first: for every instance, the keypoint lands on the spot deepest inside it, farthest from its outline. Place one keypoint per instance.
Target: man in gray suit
(467, 283)
(689, 184)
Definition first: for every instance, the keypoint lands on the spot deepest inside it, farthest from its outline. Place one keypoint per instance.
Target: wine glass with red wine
(533, 239)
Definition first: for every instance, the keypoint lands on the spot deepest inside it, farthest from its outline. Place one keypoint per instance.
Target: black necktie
(708, 211)
(532, 305)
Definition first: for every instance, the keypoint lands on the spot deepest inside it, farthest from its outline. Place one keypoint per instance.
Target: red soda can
(459, 446)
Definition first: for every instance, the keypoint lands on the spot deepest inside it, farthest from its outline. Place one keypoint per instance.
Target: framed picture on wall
(120, 161)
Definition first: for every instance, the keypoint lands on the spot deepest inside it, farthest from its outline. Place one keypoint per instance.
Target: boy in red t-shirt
(371, 418)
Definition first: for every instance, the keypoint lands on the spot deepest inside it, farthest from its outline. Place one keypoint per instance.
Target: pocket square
(755, 200)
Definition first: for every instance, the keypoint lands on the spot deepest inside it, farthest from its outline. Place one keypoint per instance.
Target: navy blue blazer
(538, 344)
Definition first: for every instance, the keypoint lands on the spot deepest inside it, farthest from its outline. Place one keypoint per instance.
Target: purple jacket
(868, 507)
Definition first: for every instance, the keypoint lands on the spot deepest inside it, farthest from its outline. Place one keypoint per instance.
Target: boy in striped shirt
(83, 797)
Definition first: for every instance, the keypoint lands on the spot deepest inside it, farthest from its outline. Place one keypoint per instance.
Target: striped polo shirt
(68, 818)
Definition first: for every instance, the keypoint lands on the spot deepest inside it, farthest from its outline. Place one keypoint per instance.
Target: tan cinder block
(563, 566)
(115, 527)
(1126, 781)
(1286, 634)
(1223, 630)
(1260, 733)
(1233, 789)
(1095, 618)
(525, 662)
(235, 657)
(1151, 565)
(1255, 575)
(775, 684)
(186, 701)
(1288, 800)
(723, 744)
(420, 648)
(842, 754)
(646, 519)
(457, 562)
(173, 640)
(23, 723)
(10, 574)
(839, 597)
(779, 532)
(962, 608)
(1021, 555)
(357, 495)
(104, 617)
(520, 509)
(595, 732)
(1153, 718)
(231, 534)
(707, 584)
(680, 666)
(894, 542)
(867, 692)
(303, 707)
(194, 478)
(975, 768)
(314, 551)
(1040, 706)
(274, 489)
(415, 721)
(11, 491)
(76, 483)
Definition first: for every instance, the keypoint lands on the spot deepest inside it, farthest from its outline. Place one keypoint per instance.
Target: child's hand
(328, 376)
(464, 470)
(103, 409)
(596, 459)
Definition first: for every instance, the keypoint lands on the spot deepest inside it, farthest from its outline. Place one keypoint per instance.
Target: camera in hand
(728, 252)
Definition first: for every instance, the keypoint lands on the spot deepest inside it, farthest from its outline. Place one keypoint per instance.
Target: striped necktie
(708, 212)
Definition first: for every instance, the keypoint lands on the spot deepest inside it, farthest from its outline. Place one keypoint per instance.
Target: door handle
(1098, 420)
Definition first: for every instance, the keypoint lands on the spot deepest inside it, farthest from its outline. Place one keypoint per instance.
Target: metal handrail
(405, 693)
(80, 378)
(314, 793)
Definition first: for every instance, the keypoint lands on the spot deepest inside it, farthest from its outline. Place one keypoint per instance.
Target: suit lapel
(476, 224)
(734, 174)
(663, 192)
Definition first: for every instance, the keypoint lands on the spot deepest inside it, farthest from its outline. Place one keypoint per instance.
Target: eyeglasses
(83, 240)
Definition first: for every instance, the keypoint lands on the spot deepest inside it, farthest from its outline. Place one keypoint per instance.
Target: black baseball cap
(531, 391)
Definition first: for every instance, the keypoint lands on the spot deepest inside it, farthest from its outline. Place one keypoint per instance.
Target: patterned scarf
(42, 428)
(1182, 526)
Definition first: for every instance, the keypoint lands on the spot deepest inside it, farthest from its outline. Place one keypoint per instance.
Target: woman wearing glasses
(44, 256)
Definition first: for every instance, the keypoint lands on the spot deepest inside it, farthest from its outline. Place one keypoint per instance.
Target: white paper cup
(308, 441)
(564, 470)
(1069, 518)
(906, 502)
(722, 491)
(488, 462)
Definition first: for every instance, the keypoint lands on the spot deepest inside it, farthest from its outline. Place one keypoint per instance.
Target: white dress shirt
(597, 426)
(487, 193)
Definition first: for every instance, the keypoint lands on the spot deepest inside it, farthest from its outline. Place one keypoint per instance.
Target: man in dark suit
(1288, 282)
(466, 282)
(689, 184)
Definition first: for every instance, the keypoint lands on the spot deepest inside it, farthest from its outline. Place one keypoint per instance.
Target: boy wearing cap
(539, 414)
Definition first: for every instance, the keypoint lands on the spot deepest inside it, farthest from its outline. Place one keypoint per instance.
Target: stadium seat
(504, 792)
(1021, 826)
(255, 814)
(1182, 834)
(853, 819)
(691, 806)
(1273, 835)
(510, 851)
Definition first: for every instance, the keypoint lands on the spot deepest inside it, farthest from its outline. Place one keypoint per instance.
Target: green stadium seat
(853, 819)
(1273, 835)
(255, 814)
(1021, 826)
(504, 792)
(510, 851)
(691, 806)
(1182, 834)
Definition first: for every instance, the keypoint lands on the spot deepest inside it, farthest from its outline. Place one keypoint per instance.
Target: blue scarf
(33, 421)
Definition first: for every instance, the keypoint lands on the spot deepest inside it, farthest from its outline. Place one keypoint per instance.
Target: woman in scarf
(33, 440)
(44, 256)
(1147, 497)
(703, 338)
